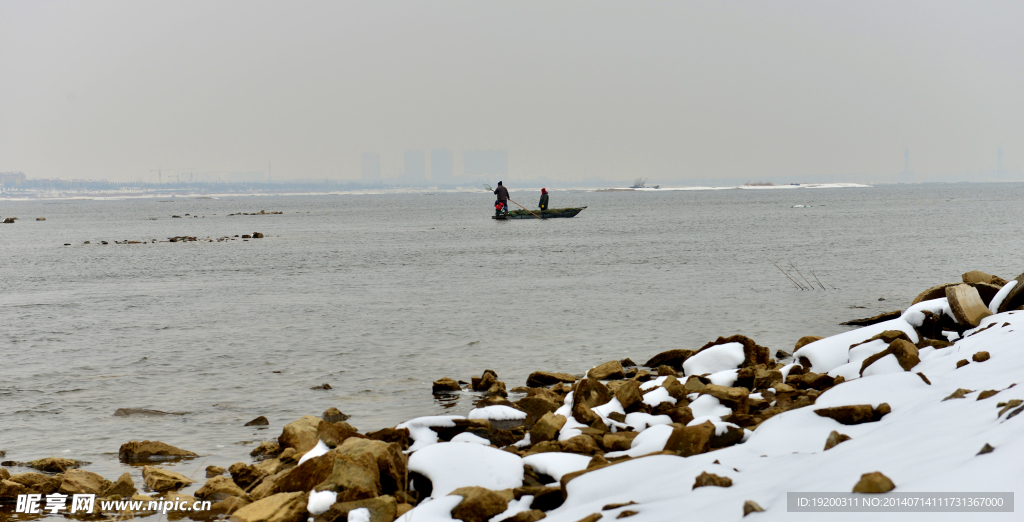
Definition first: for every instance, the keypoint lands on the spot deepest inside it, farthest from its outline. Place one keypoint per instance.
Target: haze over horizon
(662, 90)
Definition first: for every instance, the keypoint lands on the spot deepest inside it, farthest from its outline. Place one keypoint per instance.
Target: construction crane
(160, 173)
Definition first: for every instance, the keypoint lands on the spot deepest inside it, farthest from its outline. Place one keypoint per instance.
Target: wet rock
(152, 451)
(751, 507)
(324, 386)
(10, 490)
(54, 465)
(9, 221)
(980, 357)
(353, 478)
(4, 474)
(220, 488)
(159, 479)
(687, 441)
(300, 434)
(445, 385)
(607, 371)
(129, 412)
(874, 482)
(123, 487)
(966, 304)
(258, 421)
(392, 463)
(673, 358)
(80, 481)
(547, 428)
(38, 482)
(382, 509)
(849, 415)
(267, 449)
(333, 434)
(618, 441)
(710, 479)
(282, 507)
(213, 471)
(542, 379)
(478, 504)
(246, 236)
(334, 415)
(873, 320)
(835, 438)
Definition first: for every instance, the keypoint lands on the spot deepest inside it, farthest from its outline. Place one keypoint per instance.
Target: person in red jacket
(502, 194)
(543, 199)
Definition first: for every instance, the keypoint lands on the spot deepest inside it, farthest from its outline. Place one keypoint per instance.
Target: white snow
(715, 359)
(658, 396)
(725, 378)
(653, 383)
(832, 352)
(515, 506)
(1000, 296)
(473, 439)
(497, 413)
(420, 432)
(319, 449)
(452, 465)
(648, 441)
(707, 407)
(359, 515)
(320, 501)
(915, 314)
(556, 464)
(641, 421)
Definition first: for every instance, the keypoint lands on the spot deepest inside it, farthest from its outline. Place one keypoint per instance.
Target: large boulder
(478, 504)
(220, 488)
(966, 304)
(282, 507)
(392, 462)
(542, 379)
(607, 371)
(152, 451)
(80, 481)
(159, 479)
(301, 434)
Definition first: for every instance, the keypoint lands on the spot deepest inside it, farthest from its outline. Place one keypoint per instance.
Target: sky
(619, 90)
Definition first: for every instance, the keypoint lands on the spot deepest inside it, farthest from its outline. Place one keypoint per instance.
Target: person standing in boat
(502, 194)
(543, 199)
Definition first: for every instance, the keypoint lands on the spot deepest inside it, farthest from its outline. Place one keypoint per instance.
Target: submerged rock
(259, 421)
(54, 465)
(445, 385)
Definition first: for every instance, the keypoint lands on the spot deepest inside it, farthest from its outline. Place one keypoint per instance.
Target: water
(378, 295)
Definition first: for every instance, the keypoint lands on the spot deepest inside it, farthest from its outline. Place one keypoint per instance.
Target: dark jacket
(502, 193)
(543, 201)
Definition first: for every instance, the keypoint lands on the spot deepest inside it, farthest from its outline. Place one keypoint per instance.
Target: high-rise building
(442, 166)
(415, 167)
(371, 167)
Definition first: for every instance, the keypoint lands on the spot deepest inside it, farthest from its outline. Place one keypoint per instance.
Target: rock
(694, 384)
(906, 354)
(873, 320)
(258, 421)
(282, 507)
(710, 479)
(850, 415)
(934, 292)
(687, 441)
(300, 434)
(4, 474)
(9, 490)
(542, 379)
(594, 517)
(382, 509)
(38, 482)
(54, 465)
(353, 478)
(478, 504)
(129, 412)
(1015, 298)
(220, 488)
(334, 415)
(257, 235)
(445, 385)
(159, 479)
(588, 393)
(607, 371)
(874, 482)
(960, 393)
(11, 220)
(267, 449)
(535, 407)
(532, 515)
(398, 436)
(152, 451)
(753, 354)
(986, 394)
(986, 449)
(303, 477)
(980, 357)
(80, 481)
(967, 305)
(123, 487)
(977, 276)
(392, 463)
(333, 434)
(618, 441)
(229, 505)
(324, 386)
(40, 219)
(666, 370)
(580, 444)
(726, 393)
(835, 438)
(214, 471)
(673, 358)
(547, 428)
(751, 507)
(629, 395)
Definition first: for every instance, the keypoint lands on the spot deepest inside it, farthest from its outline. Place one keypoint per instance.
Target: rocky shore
(921, 399)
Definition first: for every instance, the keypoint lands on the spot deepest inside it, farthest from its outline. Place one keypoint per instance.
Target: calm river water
(378, 295)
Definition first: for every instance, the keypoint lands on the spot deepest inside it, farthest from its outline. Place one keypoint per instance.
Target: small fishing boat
(543, 214)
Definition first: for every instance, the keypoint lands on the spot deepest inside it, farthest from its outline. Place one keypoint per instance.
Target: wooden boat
(543, 214)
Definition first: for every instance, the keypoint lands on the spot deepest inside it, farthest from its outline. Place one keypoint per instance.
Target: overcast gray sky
(667, 90)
